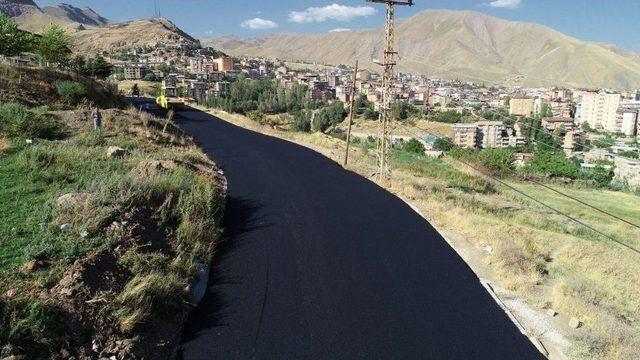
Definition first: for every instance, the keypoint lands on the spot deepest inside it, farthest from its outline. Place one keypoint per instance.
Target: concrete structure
(599, 110)
(133, 72)
(485, 135)
(553, 123)
(364, 75)
(224, 63)
(626, 121)
(521, 106)
(465, 135)
(627, 172)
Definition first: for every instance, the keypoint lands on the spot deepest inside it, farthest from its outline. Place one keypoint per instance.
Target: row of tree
(53, 46)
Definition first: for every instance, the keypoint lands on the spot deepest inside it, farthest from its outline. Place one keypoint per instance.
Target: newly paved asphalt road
(320, 263)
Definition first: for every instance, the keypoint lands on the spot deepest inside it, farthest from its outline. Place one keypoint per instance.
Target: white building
(626, 122)
(599, 110)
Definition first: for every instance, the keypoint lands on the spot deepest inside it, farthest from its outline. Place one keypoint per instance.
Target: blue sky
(611, 21)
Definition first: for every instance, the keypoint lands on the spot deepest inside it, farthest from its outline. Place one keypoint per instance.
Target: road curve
(320, 263)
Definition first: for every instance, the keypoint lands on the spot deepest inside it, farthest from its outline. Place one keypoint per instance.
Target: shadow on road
(240, 219)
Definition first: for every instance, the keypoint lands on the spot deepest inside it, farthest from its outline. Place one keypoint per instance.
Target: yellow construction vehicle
(167, 99)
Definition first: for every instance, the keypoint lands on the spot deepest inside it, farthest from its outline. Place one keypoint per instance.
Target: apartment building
(133, 72)
(224, 63)
(626, 121)
(521, 106)
(599, 110)
(485, 135)
(465, 135)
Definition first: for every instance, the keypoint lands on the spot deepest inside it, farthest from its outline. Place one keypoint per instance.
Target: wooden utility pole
(351, 111)
(388, 93)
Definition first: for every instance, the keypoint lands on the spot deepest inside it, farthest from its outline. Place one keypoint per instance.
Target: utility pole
(351, 111)
(388, 93)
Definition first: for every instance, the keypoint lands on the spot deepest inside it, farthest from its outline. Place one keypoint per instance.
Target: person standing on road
(97, 120)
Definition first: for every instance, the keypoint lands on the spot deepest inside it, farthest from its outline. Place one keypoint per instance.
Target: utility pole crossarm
(394, 2)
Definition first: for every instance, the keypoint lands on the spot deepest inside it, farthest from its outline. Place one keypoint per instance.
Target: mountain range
(463, 45)
(90, 31)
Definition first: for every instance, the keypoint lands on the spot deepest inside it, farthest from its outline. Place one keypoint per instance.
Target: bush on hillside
(500, 161)
(552, 164)
(302, 121)
(17, 121)
(72, 92)
(443, 144)
(414, 146)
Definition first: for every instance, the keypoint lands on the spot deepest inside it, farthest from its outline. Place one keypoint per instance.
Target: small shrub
(443, 144)
(414, 146)
(302, 122)
(72, 92)
(17, 121)
(500, 161)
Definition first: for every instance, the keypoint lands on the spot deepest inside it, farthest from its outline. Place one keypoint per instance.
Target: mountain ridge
(466, 45)
(90, 31)
(84, 16)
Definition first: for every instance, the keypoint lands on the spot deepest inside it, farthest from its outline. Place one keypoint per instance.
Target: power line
(554, 209)
(637, 251)
(572, 197)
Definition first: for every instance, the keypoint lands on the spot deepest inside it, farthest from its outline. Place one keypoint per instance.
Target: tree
(98, 67)
(414, 146)
(500, 161)
(553, 164)
(443, 144)
(54, 45)
(302, 121)
(135, 90)
(150, 77)
(78, 64)
(13, 41)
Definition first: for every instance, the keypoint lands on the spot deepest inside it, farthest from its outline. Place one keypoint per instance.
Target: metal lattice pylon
(388, 93)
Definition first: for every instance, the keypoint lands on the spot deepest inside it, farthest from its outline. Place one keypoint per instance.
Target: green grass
(183, 203)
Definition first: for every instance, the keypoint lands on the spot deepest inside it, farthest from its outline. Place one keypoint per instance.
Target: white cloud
(259, 24)
(335, 12)
(509, 4)
(339, 30)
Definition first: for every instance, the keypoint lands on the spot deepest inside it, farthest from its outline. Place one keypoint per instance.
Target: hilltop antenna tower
(388, 93)
(156, 10)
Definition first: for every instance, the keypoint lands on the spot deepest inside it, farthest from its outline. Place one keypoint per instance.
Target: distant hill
(85, 16)
(146, 32)
(462, 45)
(90, 31)
(14, 8)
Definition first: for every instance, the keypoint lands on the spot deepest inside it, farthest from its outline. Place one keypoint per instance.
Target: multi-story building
(521, 106)
(626, 121)
(465, 135)
(485, 135)
(225, 63)
(491, 134)
(599, 110)
(134, 72)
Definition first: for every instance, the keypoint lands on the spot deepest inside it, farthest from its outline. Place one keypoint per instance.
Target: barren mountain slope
(85, 16)
(465, 45)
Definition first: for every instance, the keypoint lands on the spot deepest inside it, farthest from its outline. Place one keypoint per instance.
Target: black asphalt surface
(320, 263)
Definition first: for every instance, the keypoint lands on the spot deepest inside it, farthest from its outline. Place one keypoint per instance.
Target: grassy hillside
(465, 45)
(101, 234)
(40, 87)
